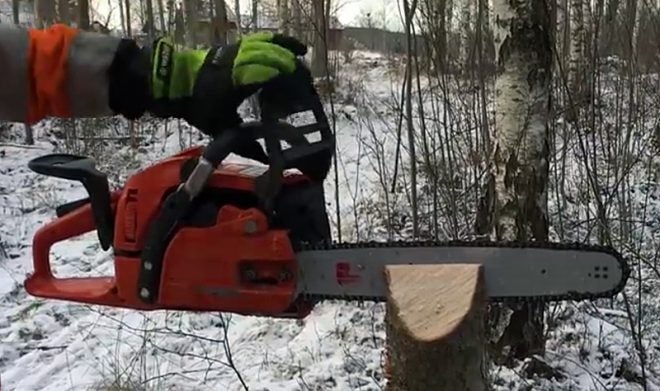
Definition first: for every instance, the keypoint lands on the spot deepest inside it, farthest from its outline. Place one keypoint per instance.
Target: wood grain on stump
(435, 327)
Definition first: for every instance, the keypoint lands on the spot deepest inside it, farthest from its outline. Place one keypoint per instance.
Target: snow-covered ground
(53, 345)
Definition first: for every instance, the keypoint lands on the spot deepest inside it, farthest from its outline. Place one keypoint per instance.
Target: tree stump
(435, 327)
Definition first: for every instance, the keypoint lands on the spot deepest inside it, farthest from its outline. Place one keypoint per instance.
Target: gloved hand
(205, 87)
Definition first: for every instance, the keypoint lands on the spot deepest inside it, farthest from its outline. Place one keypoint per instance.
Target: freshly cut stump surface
(435, 327)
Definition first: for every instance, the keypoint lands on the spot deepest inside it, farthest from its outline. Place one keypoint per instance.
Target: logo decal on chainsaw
(343, 274)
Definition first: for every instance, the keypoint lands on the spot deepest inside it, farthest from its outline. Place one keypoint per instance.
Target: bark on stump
(435, 327)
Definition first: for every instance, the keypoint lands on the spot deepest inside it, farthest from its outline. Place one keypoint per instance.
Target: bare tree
(15, 8)
(237, 11)
(409, 14)
(15, 11)
(514, 203)
(296, 19)
(63, 11)
(161, 17)
(127, 6)
(151, 28)
(219, 21)
(191, 22)
(44, 11)
(255, 14)
(83, 12)
(283, 16)
(320, 48)
(465, 31)
(577, 43)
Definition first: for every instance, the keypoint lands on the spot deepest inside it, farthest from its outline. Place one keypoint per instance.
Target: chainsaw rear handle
(70, 225)
(83, 169)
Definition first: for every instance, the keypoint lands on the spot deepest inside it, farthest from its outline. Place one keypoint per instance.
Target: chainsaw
(194, 232)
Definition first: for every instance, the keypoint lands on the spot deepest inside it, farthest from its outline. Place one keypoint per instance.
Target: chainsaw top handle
(284, 96)
(83, 169)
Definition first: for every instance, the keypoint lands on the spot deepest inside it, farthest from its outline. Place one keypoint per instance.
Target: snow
(55, 345)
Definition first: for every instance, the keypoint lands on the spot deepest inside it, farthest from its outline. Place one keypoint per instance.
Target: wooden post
(435, 327)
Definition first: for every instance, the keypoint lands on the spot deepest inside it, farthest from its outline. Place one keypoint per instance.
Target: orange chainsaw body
(234, 262)
(192, 232)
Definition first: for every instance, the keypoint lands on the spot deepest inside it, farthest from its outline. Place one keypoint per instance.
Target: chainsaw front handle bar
(83, 169)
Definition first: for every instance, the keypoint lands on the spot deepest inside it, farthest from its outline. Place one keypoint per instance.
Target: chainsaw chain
(625, 268)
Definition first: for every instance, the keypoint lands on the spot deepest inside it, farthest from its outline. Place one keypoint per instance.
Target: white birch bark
(63, 8)
(563, 38)
(576, 62)
(237, 11)
(637, 12)
(522, 88)
(319, 28)
(283, 16)
(191, 22)
(514, 205)
(161, 16)
(220, 13)
(44, 11)
(255, 15)
(296, 19)
(466, 28)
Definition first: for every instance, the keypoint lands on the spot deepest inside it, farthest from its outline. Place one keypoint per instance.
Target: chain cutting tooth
(623, 264)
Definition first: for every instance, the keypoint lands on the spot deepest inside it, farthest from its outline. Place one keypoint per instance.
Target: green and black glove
(203, 87)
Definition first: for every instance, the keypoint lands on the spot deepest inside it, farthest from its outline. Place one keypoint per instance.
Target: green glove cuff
(174, 72)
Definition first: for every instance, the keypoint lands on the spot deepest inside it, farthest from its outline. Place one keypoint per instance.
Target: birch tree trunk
(576, 64)
(44, 12)
(513, 207)
(191, 22)
(283, 16)
(220, 30)
(408, 14)
(563, 31)
(634, 21)
(83, 12)
(151, 28)
(179, 26)
(15, 11)
(297, 19)
(122, 17)
(237, 9)
(320, 28)
(63, 7)
(466, 26)
(161, 17)
(449, 23)
(611, 23)
(435, 17)
(255, 15)
(127, 6)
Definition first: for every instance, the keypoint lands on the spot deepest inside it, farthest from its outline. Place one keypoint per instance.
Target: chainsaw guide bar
(514, 272)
